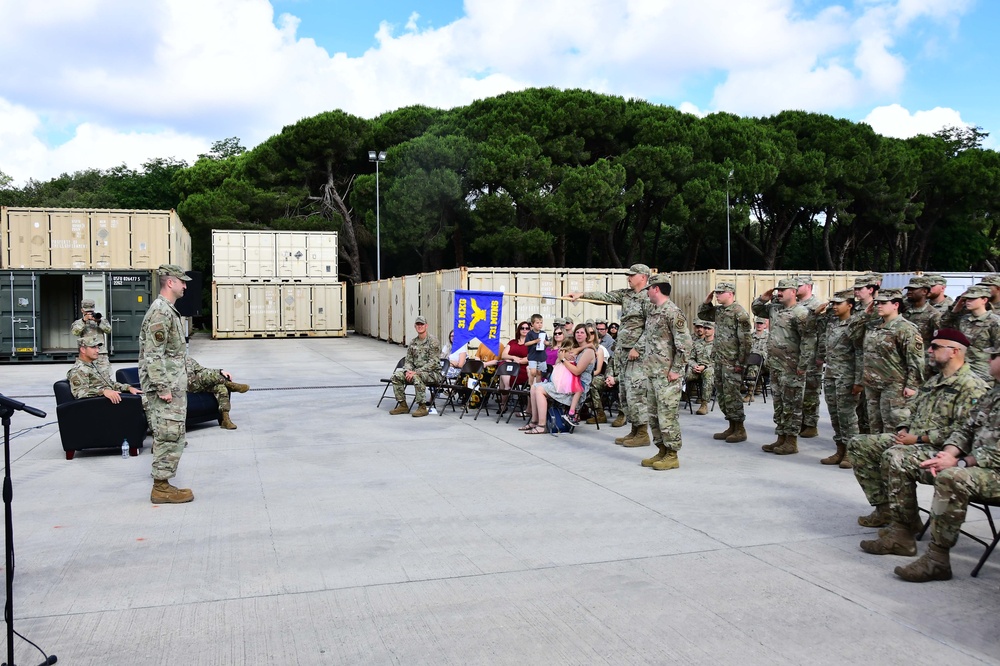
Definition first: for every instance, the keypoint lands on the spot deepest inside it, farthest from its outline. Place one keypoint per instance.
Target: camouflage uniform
(983, 332)
(948, 302)
(927, 320)
(701, 354)
(82, 327)
(88, 381)
(203, 380)
(893, 360)
(791, 350)
(730, 349)
(814, 375)
(667, 344)
(162, 370)
(630, 374)
(758, 345)
(941, 405)
(835, 347)
(423, 357)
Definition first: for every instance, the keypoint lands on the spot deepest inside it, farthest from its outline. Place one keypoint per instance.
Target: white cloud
(895, 121)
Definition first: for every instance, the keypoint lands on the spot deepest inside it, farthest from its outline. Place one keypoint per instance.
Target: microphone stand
(7, 408)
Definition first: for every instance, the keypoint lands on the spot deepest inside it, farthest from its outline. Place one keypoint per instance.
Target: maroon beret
(952, 334)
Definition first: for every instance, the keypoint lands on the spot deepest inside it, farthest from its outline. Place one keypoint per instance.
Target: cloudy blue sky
(97, 83)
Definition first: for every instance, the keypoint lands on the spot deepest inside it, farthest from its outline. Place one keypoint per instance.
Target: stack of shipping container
(273, 284)
(51, 259)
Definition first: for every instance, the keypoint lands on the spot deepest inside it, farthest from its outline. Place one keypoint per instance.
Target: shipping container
(37, 309)
(279, 256)
(278, 310)
(397, 331)
(384, 287)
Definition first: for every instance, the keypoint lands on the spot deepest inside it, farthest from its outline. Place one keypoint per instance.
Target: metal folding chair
(388, 382)
(984, 506)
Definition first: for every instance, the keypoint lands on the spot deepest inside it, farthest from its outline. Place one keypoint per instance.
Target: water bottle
(125, 448)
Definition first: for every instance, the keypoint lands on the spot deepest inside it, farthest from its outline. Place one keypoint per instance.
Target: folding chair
(457, 386)
(755, 360)
(984, 506)
(696, 393)
(388, 382)
(495, 388)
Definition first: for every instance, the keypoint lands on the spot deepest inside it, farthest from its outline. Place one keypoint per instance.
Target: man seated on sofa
(215, 381)
(87, 381)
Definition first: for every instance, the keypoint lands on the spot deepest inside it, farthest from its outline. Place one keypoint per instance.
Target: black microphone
(14, 404)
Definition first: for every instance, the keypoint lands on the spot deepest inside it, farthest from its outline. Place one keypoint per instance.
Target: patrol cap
(842, 295)
(172, 270)
(725, 286)
(658, 280)
(567, 320)
(953, 335)
(977, 291)
(639, 269)
(787, 283)
(87, 305)
(866, 280)
(919, 282)
(935, 279)
(708, 324)
(888, 295)
(90, 340)
(698, 323)
(558, 321)
(804, 279)
(991, 280)
(601, 320)
(875, 275)
(759, 320)
(420, 320)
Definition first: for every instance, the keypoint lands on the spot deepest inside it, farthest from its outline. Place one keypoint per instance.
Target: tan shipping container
(296, 308)
(265, 311)
(259, 251)
(397, 329)
(256, 310)
(322, 262)
(384, 288)
(373, 309)
(329, 308)
(109, 237)
(231, 311)
(411, 306)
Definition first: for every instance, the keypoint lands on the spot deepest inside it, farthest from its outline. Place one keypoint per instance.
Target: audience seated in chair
(579, 361)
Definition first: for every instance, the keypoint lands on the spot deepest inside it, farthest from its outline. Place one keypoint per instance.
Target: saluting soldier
(86, 380)
(814, 376)
(981, 326)
(835, 348)
(729, 355)
(422, 367)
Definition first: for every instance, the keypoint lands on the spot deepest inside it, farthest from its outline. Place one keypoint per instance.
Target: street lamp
(376, 158)
(729, 249)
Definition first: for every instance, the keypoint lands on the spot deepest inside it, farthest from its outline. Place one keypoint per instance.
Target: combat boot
(620, 421)
(845, 463)
(739, 433)
(836, 457)
(703, 408)
(164, 493)
(640, 438)
(421, 410)
(400, 408)
(773, 445)
(727, 432)
(621, 440)
(226, 423)
(648, 462)
(898, 540)
(877, 518)
(237, 388)
(808, 432)
(935, 564)
(668, 461)
(790, 446)
(599, 417)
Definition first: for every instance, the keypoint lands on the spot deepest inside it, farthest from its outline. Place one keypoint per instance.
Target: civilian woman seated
(456, 358)
(579, 361)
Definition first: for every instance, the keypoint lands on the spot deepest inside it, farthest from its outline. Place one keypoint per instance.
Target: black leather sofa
(201, 407)
(96, 423)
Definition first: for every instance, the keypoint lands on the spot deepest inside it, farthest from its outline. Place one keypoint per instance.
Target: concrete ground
(325, 531)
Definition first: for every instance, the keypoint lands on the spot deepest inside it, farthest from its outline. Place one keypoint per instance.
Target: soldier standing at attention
(835, 347)
(699, 366)
(992, 282)
(87, 381)
(422, 367)
(814, 376)
(163, 378)
(938, 298)
(920, 312)
(729, 356)
(893, 364)
(630, 345)
(982, 327)
(863, 318)
(791, 350)
(667, 343)
(91, 322)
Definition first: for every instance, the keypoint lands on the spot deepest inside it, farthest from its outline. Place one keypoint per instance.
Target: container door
(130, 296)
(18, 314)
(27, 242)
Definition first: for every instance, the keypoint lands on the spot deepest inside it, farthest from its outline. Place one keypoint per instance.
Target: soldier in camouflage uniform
(992, 282)
(630, 345)
(729, 353)
(835, 348)
(981, 326)
(893, 364)
(941, 301)
(757, 346)
(814, 376)
(422, 367)
(920, 312)
(163, 378)
(89, 322)
(863, 319)
(791, 350)
(667, 344)
(941, 405)
(86, 380)
(219, 383)
(699, 366)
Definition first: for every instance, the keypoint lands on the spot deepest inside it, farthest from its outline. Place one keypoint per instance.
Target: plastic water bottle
(125, 449)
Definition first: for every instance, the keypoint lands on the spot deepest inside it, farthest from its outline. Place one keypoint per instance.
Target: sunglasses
(935, 346)
(523, 328)
(559, 333)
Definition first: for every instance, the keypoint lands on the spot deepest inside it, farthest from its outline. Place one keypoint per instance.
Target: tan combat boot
(703, 409)
(648, 462)
(600, 417)
(790, 446)
(164, 493)
(421, 410)
(226, 423)
(400, 408)
(808, 432)
(898, 540)
(727, 432)
(836, 457)
(668, 461)
(620, 421)
(845, 463)
(739, 433)
(935, 564)
(621, 440)
(773, 445)
(877, 518)
(237, 388)
(640, 438)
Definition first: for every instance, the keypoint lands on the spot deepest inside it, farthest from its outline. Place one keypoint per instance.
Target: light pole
(729, 249)
(376, 158)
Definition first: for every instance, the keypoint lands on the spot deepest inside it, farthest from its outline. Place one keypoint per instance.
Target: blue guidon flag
(477, 316)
